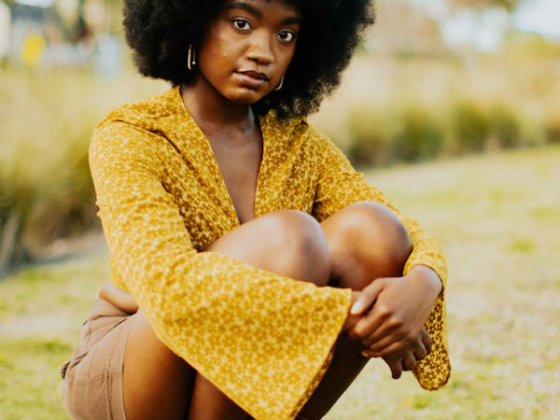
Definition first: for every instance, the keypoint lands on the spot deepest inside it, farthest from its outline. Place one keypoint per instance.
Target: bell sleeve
(340, 185)
(264, 340)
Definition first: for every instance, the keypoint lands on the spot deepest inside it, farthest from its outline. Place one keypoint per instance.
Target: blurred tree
(403, 27)
(477, 11)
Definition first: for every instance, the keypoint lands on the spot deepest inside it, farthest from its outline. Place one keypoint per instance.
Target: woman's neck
(212, 111)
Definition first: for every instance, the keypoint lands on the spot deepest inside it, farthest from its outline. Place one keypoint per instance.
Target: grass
(41, 312)
(497, 219)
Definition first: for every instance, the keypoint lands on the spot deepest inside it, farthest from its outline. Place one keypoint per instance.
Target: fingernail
(357, 308)
(365, 354)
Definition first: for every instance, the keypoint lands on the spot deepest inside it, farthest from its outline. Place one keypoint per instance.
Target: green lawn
(498, 219)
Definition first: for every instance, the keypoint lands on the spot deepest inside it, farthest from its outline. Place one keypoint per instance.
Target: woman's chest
(239, 168)
(214, 195)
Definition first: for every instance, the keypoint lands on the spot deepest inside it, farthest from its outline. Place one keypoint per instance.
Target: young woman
(254, 272)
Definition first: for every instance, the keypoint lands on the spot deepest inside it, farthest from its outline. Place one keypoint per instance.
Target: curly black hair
(159, 32)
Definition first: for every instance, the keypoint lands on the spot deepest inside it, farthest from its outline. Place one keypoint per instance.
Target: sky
(541, 16)
(484, 32)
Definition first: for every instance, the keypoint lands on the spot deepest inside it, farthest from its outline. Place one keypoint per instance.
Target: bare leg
(156, 382)
(366, 241)
(288, 243)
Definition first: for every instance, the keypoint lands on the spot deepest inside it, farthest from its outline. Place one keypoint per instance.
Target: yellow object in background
(32, 49)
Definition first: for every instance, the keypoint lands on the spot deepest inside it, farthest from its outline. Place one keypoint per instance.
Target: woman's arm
(340, 185)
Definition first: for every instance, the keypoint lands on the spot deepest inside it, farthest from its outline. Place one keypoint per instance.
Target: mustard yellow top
(262, 339)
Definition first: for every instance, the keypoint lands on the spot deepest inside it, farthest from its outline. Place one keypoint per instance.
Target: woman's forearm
(427, 276)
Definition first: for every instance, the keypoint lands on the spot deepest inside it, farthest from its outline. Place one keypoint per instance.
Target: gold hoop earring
(191, 59)
(280, 85)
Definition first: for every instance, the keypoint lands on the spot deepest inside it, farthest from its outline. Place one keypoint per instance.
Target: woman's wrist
(427, 278)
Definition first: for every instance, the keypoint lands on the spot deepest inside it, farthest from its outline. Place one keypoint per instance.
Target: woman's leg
(159, 384)
(288, 243)
(366, 241)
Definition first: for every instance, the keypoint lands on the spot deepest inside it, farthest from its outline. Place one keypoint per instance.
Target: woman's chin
(245, 96)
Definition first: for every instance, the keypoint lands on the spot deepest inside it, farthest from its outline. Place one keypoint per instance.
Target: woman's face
(248, 48)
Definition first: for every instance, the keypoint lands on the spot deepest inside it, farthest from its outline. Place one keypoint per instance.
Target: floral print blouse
(263, 339)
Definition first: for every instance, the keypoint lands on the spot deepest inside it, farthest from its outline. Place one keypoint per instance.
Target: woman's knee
(371, 235)
(287, 242)
(296, 242)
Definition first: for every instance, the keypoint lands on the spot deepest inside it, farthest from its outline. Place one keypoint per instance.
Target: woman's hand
(406, 359)
(118, 297)
(401, 306)
(350, 318)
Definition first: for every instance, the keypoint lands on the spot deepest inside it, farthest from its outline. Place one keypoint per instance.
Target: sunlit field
(497, 218)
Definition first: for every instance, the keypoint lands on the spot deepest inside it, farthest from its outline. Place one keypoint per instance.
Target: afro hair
(160, 31)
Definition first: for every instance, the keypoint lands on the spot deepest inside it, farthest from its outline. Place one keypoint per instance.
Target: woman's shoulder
(318, 139)
(139, 123)
(147, 114)
(294, 128)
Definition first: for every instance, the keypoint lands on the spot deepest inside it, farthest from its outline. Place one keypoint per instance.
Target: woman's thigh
(121, 371)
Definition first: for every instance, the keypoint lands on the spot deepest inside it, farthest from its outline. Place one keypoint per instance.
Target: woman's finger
(388, 340)
(396, 369)
(375, 337)
(377, 317)
(395, 346)
(426, 340)
(367, 297)
(395, 365)
(408, 361)
(366, 326)
(385, 327)
(420, 351)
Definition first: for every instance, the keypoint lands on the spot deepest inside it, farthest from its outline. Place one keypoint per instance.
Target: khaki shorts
(93, 377)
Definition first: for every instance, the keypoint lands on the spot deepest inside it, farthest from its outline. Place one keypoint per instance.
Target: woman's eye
(241, 24)
(286, 36)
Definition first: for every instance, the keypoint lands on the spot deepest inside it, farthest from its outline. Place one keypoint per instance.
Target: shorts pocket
(87, 400)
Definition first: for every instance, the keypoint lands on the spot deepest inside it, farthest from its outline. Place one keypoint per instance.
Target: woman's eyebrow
(252, 9)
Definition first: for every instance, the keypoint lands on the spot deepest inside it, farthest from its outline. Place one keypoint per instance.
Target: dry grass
(498, 221)
(442, 107)
(496, 217)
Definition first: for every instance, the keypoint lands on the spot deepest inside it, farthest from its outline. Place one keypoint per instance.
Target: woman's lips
(249, 80)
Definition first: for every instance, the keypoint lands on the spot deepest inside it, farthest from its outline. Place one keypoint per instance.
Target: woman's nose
(259, 49)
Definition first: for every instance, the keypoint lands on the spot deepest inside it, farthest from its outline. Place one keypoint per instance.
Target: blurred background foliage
(427, 83)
